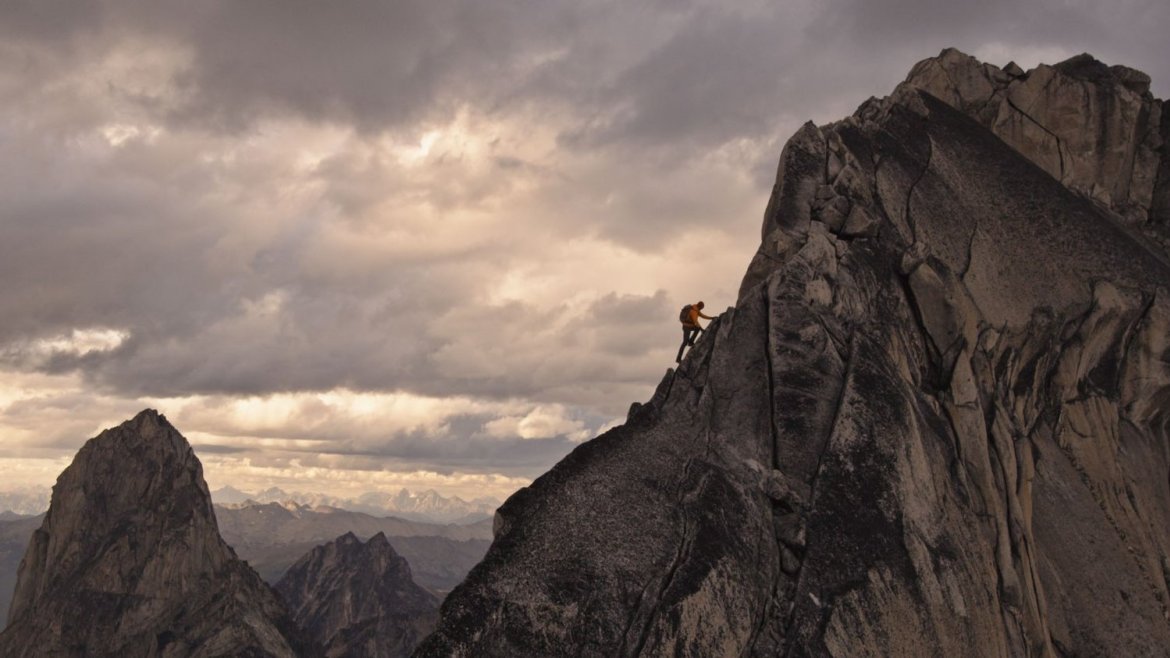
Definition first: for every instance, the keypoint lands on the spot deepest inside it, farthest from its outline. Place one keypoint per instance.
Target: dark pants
(689, 335)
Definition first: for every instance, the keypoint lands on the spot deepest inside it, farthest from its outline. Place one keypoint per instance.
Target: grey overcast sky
(351, 246)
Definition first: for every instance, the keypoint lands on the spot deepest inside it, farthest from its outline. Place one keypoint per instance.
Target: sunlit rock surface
(935, 423)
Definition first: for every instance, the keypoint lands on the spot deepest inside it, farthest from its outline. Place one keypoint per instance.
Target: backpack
(684, 316)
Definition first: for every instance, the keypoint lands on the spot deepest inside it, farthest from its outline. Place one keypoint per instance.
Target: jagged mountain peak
(960, 67)
(129, 561)
(147, 431)
(128, 477)
(359, 599)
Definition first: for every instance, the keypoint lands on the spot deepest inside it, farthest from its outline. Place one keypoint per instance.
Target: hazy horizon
(422, 245)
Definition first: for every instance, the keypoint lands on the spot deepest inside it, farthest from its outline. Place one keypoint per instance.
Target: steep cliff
(128, 562)
(935, 423)
(359, 600)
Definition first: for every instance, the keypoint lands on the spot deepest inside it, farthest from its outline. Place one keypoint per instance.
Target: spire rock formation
(935, 423)
(359, 600)
(128, 562)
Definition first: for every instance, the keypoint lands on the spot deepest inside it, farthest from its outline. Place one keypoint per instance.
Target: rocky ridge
(1095, 128)
(359, 600)
(935, 423)
(128, 562)
(272, 537)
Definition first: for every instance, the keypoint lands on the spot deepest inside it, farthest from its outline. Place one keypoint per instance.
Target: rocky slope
(272, 537)
(14, 536)
(128, 562)
(935, 423)
(358, 600)
(1093, 127)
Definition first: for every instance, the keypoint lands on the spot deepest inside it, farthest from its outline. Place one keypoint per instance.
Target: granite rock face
(128, 562)
(1095, 128)
(359, 600)
(935, 423)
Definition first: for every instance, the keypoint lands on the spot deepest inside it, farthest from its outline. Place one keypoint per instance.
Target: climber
(689, 316)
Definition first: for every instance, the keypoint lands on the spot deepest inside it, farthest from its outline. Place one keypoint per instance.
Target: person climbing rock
(689, 316)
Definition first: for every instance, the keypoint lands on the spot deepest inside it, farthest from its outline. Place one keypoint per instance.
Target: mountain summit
(128, 562)
(1095, 128)
(359, 600)
(935, 423)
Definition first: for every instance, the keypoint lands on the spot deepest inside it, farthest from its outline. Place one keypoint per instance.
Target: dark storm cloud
(374, 63)
(718, 77)
(1129, 32)
(51, 20)
(650, 73)
(72, 235)
(371, 63)
(872, 25)
(656, 72)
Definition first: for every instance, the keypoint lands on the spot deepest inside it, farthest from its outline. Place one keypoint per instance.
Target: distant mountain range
(24, 502)
(428, 506)
(271, 536)
(133, 559)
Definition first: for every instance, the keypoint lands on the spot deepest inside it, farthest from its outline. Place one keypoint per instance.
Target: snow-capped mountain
(25, 502)
(429, 505)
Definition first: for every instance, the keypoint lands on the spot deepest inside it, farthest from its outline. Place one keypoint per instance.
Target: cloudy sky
(352, 246)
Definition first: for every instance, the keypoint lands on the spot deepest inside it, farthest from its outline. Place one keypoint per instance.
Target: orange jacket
(693, 318)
